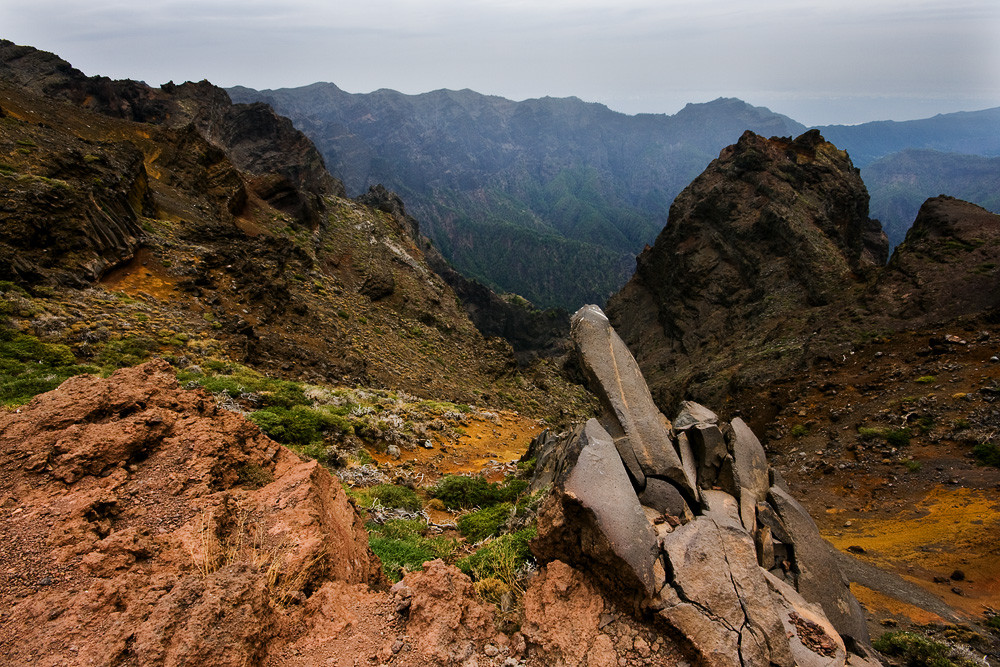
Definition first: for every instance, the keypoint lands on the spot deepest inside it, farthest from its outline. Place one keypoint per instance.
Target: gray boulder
(692, 525)
(818, 577)
(641, 433)
(710, 450)
(749, 461)
(664, 497)
(593, 518)
(692, 413)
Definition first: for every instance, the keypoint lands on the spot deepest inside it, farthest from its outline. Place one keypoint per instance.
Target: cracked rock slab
(643, 436)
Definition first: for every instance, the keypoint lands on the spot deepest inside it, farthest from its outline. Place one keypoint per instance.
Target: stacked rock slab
(687, 521)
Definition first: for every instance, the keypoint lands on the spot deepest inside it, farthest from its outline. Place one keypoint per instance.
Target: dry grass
(242, 539)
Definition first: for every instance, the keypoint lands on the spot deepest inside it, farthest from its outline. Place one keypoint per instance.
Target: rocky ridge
(758, 251)
(219, 222)
(145, 525)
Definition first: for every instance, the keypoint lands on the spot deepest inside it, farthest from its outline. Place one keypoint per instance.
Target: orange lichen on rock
(483, 445)
(879, 602)
(947, 530)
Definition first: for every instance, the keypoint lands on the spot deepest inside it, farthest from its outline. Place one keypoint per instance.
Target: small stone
(847, 524)
(958, 575)
(394, 452)
(491, 651)
(428, 444)
(855, 549)
(957, 591)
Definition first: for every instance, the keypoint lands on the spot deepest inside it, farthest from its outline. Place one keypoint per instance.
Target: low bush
(458, 492)
(29, 366)
(917, 651)
(896, 437)
(391, 495)
(297, 426)
(486, 522)
(400, 544)
(501, 558)
(987, 454)
(128, 351)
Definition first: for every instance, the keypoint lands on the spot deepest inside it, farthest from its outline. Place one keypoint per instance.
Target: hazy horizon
(818, 63)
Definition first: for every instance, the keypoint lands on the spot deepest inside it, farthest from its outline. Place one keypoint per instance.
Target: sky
(820, 62)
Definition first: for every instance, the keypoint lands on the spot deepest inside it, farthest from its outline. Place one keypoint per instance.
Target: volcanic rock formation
(756, 251)
(144, 525)
(688, 522)
(945, 269)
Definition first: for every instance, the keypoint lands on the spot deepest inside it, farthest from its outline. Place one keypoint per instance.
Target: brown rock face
(945, 269)
(143, 525)
(755, 249)
(446, 619)
(562, 612)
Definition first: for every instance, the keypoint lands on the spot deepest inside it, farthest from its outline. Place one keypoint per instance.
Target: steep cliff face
(945, 269)
(531, 332)
(770, 237)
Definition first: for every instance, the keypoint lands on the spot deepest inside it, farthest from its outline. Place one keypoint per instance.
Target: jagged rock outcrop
(75, 214)
(143, 524)
(945, 269)
(773, 234)
(740, 571)
(279, 163)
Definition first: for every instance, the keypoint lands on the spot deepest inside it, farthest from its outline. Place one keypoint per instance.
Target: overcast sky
(845, 61)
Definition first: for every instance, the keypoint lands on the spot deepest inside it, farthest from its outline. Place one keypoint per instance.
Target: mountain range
(237, 404)
(553, 198)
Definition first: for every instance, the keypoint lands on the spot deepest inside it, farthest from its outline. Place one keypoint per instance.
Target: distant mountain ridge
(548, 198)
(899, 184)
(966, 132)
(552, 198)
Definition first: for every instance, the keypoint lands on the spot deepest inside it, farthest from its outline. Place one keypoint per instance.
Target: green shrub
(400, 529)
(399, 543)
(869, 433)
(487, 522)
(235, 380)
(500, 558)
(898, 437)
(926, 379)
(128, 351)
(799, 430)
(987, 454)
(458, 492)
(391, 495)
(29, 367)
(296, 426)
(917, 651)
(396, 554)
